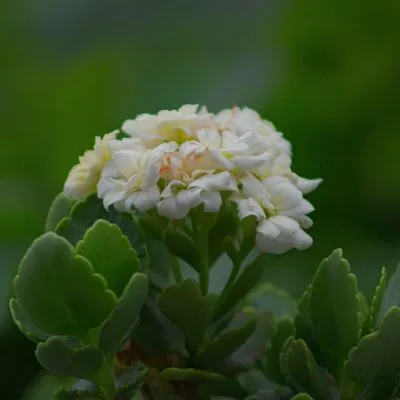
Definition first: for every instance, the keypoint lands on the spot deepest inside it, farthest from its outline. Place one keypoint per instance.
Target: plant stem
(203, 246)
(176, 269)
(105, 381)
(231, 280)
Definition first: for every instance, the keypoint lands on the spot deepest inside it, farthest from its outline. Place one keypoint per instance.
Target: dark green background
(326, 73)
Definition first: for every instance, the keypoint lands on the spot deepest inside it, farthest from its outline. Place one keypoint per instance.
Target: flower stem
(229, 283)
(176, 269)
(203, 246)
(105, 381)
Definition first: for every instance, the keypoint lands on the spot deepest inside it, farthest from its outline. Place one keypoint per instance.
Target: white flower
(279, 234)
(178, 160)
(130, 181)
(281, 212)
(243, 120)
(178, 198)
(83, 178)
(175, 125)
(228, 150)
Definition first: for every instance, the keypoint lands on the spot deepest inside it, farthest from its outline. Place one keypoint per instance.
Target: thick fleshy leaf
(375, 363)
(247, 280)
(58, 291)
(156, 334)
(119, 325)
(284, 330)
(334, 306)
(130, 382)
(59, 209)
(302, 396)
(188, 374)
(305, 375)
(110, 254)
(270, 298)
(29, 329)
(224, 345)
(63, 358)
(255, 347)
(302, 320)
(371, 322)
(188, 309)
(82, 390)
(183, 247)
(256, 383)
(222, 390)
(85, 213)
(272, 394)
(363, 309)
(391, 297)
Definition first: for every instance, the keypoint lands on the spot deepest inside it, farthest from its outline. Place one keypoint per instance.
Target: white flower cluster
(178, 160)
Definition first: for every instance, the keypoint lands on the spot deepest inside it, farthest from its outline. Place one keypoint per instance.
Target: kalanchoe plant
(103, 291)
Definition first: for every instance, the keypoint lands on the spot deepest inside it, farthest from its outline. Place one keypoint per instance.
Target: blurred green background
(326, 73)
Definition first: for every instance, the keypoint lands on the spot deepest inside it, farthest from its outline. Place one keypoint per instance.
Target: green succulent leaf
(188, 309)
(371, 322)
(223, 346)
(302, 396)
(110, 254)
(246, 282)
(375, 363)
(82, 390)
(85, 213)
(334, 306)
(284, 330)
(304, 373)
(391, 296)
(29, 329)
(303, 322)
(257, 344)
(270, 298)
(119, 325)
(180, 245)
(58, 291)
(362, 308)
(63, 358)
(188, 374)
(156, 334)
(130, 382)
(59, 209)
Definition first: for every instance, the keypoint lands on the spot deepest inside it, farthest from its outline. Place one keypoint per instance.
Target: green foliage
(156, 334)
(391, 297)
(270, 298)
(85, 213)
(371, 322)
(304, 373)
(129, 382)
(49, 285)
(110, 254)
(246, 281)
(180, 245)
(64, 357)
(119, 325)
(188, 309)
(188, 374)
(30, 330)
(59, 209)
(284, 329)
(224, 345)
(375, 363)
(334, 306)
